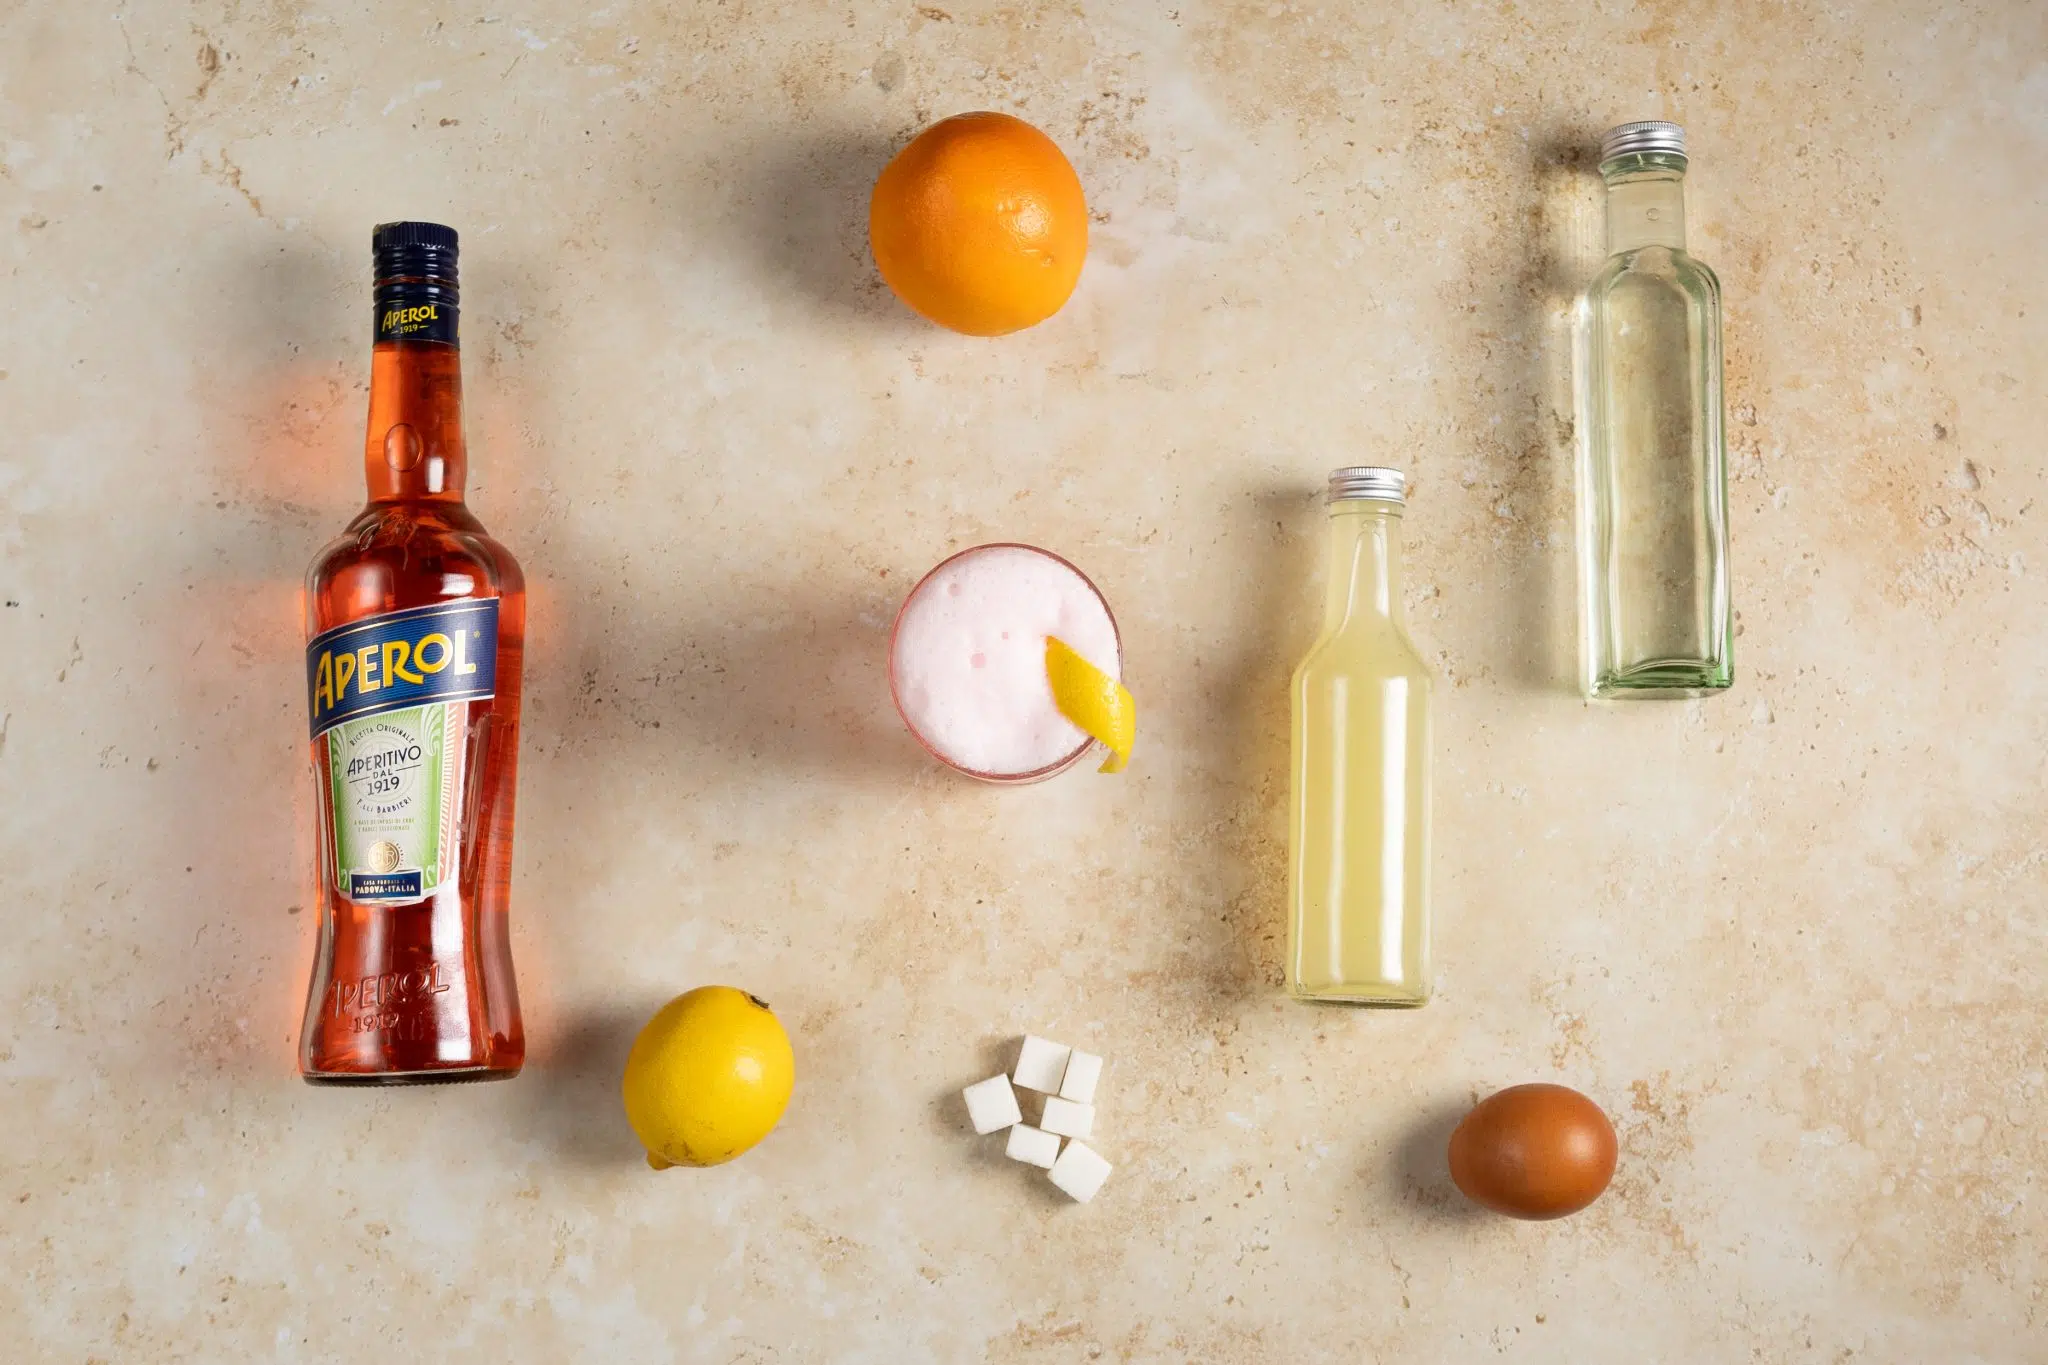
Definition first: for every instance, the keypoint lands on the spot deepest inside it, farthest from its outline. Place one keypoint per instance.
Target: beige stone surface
(1793, 938)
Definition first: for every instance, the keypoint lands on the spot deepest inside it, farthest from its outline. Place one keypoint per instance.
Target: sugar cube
(1083, 1070)
(991, 1104)
(1067, 1118)
(1034, 1145)
(1080, 1172)
(1040, 1065)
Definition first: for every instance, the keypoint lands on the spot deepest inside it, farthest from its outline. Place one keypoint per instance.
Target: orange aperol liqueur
(416, 620)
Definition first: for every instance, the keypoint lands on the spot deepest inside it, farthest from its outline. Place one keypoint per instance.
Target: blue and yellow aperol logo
(445, 652)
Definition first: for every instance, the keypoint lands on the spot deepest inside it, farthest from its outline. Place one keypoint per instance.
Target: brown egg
(1533, 1151)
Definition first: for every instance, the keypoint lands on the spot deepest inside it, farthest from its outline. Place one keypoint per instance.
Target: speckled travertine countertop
(1793, 938)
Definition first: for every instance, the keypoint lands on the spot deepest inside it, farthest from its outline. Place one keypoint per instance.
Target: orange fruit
(980, 224)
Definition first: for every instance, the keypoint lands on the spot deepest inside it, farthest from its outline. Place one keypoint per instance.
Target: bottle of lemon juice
(1358, 825)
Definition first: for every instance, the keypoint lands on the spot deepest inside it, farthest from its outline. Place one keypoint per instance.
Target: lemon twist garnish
(1093, 700)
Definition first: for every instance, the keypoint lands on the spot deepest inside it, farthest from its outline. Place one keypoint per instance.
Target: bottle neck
(414, 450)
(1645, 203)
(1365, 563)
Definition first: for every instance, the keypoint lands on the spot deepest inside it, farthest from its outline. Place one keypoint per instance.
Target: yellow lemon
(708, 1077)
(1093, 700)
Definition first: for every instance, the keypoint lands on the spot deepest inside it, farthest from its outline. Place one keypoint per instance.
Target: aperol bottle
(416, 620)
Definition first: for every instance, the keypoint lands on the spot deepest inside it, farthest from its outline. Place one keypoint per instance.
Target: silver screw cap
(1653, 135)
(1368, 481)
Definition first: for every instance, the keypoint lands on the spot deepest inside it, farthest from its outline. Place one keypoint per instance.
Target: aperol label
(447, 651)
(391, 698)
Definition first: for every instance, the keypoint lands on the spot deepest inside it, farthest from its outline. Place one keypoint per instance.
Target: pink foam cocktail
(967, 660)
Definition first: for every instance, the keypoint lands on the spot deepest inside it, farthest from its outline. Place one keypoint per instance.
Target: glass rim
(1052, 769)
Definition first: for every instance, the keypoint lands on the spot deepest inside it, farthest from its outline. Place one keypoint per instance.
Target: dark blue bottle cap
(417, 295)
(420, 250)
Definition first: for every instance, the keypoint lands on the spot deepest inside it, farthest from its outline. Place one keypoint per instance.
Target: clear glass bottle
(1652, 479)
(1358, 823)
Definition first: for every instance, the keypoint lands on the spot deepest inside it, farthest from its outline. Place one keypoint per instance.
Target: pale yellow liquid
(1358, 829)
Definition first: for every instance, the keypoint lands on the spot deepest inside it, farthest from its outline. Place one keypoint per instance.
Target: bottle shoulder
(1656, 269)
(398, 555)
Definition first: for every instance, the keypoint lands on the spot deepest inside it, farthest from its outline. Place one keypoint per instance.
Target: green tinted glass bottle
(1652, 479)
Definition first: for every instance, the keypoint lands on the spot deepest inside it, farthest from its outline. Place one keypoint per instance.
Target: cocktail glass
(967, 660)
